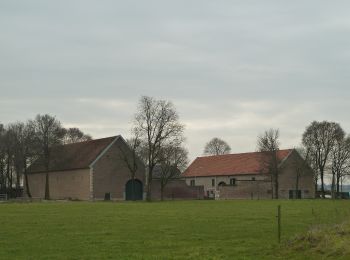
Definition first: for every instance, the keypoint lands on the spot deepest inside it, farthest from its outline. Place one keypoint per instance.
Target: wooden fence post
(279, 223)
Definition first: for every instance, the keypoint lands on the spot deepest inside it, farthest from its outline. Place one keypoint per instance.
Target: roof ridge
(219, 155)
(87, 141)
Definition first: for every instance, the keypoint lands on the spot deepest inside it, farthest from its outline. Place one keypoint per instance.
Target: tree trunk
(297, 185)
(27, 184)
(272, 193)
(47, 168)
(26, 178)
(47, 189)
(338, 191)
(333, 185)
(276, 186)
(8, 173)
(161, 192)
(322, 184)
(149, 183)
(18, 184)
(133, 188)
(316, 187)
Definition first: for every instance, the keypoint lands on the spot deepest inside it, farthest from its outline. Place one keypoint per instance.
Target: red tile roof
(230, 164)
(73, 156)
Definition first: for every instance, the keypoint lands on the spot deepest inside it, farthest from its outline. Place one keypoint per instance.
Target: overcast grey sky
(232, 68)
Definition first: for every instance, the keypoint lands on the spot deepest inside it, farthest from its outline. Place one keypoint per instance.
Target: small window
(192, 183)
(306, 191)
(213, 182)
(269, 191)
(232, 181)
(253, 178)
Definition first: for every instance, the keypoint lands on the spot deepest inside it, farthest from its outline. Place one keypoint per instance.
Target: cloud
(232, 68)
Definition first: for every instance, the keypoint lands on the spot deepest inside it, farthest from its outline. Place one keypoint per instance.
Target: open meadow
(163, 230)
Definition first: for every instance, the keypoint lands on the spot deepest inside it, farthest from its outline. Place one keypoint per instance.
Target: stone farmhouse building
(97, 170)
(245, 176)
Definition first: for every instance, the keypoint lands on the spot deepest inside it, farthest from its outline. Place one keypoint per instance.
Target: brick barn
(244, 176)
(97, 170)
(87, 170)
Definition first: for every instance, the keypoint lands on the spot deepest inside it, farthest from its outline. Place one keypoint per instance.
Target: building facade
(91, 170)
(245, 176)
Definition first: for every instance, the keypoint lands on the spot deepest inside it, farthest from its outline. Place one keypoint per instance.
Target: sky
(232, 68)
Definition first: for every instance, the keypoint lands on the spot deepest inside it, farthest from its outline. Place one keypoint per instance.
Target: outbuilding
(90, 170)
(246, 176)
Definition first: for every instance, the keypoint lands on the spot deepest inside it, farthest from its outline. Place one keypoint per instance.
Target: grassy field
(160, 230)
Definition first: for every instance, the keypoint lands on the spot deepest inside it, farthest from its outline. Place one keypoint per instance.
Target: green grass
(159, 230)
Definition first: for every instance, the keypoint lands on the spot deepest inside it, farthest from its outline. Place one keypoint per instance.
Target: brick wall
(110, 173)
(246, 190)
(63, 184)
(177, 189)
(288, 178)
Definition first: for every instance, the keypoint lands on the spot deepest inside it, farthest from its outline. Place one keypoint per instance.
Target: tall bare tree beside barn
(320, 139)
(216, 146)
(157, 124)
(268, 143)
(48, 133)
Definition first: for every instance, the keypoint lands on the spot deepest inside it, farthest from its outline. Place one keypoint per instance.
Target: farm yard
(241, 229)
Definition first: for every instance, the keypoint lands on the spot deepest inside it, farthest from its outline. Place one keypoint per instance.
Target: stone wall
(245, 190)
(177, 189)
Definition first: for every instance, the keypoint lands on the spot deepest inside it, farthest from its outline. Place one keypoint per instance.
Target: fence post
(279, 223)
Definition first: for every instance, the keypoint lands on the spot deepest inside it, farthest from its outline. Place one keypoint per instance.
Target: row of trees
(23, 142)
(325, 148)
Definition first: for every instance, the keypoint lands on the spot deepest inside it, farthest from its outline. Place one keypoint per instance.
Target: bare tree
(3, 185)
(340, 163)
(48, 133)
(319, 139)
(173, 160)
(24, 151)
(268, 144)
(9, 147)
(217, 146)
(75, 135)
(157, 124)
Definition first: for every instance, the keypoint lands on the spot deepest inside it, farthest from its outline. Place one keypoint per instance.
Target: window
(232, 181)
(306, 191)
(269, 191)
(192, 183)
(253, 178)
(213, 182)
